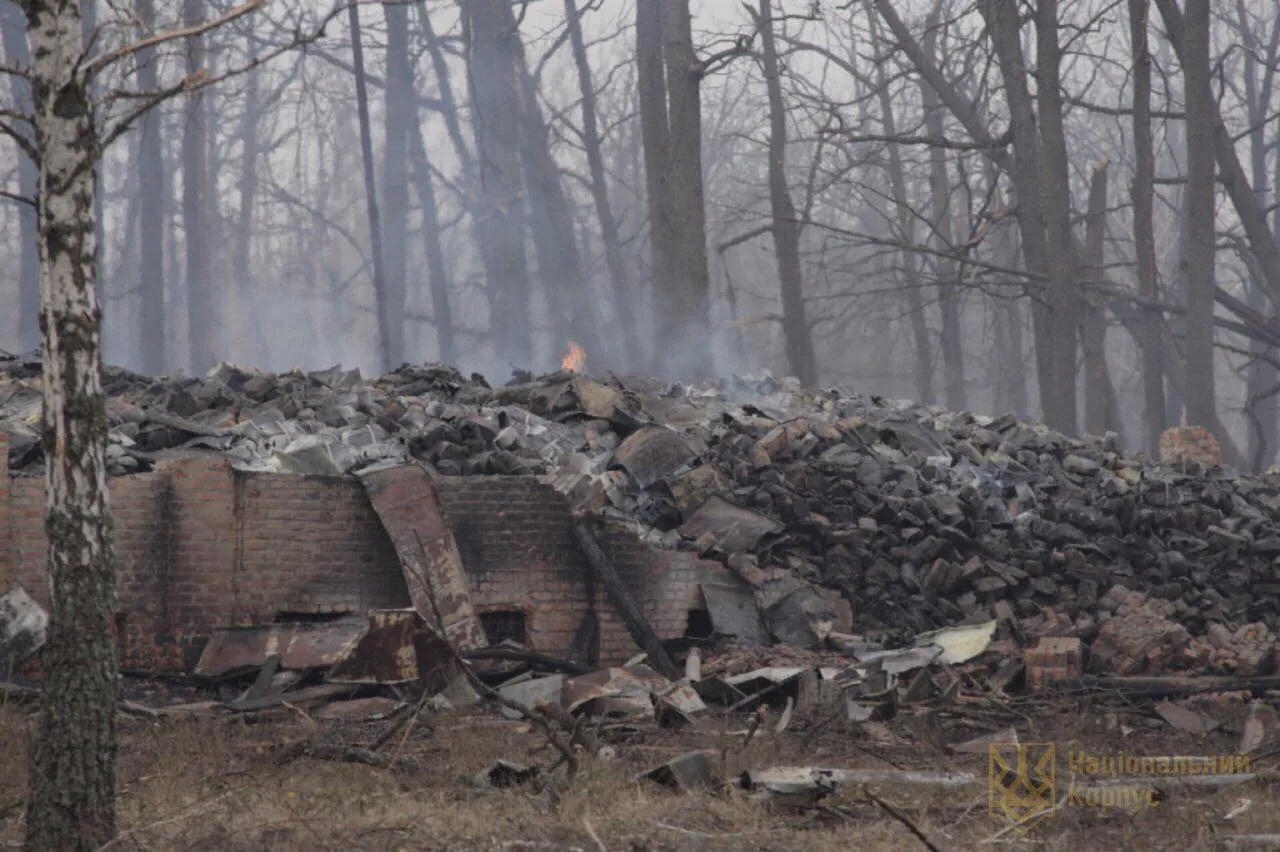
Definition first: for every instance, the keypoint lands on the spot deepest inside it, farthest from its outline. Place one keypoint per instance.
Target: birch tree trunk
(71, 792)
(801, 359)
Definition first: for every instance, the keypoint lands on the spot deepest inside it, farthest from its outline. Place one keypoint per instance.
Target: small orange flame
(576, 358)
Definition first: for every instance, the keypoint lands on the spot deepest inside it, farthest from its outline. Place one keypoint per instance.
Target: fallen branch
(902, 818)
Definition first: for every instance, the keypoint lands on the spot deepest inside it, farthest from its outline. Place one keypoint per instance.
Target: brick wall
(200, 546)
(513, 533)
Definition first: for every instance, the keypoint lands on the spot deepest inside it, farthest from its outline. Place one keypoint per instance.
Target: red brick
(1054, 659)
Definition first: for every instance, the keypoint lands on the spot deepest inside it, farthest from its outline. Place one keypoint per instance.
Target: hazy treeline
(986, 205)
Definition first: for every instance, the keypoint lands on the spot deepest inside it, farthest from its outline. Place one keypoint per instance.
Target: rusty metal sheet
(409, 507)
(397, 646)
(614, 692)
(300, 646)
(733, 528)
(653, 453)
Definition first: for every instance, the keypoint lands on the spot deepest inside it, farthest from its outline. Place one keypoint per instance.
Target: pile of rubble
(919, 517)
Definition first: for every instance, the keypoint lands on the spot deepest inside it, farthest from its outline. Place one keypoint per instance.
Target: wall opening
(698, 624)
(501, 625)
(293, 617)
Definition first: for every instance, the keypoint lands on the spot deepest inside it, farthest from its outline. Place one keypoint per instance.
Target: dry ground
(221, 785)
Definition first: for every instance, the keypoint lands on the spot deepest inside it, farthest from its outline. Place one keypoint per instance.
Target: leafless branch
(107, 59)
(202, 81)
(1004, 140)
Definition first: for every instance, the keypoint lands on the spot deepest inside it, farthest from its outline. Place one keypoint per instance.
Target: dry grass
(220, 785)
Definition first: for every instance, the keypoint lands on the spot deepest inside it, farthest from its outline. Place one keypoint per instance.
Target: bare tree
(801, 359)
(400, 117)
(1150, 339)
(940, 190)
(13, 36)
(655, 132)
(1099, 416)
(500, 205)
(1199, 243)
(153, 202)
(682, 332)
(195, 204)
(591, 143)
(386, 318)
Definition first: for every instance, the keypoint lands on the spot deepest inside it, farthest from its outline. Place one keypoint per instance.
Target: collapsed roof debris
(920, 518)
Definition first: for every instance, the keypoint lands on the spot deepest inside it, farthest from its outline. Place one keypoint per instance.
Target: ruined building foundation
(200, 546)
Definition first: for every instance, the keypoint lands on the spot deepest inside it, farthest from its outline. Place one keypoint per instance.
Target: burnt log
(623, 601)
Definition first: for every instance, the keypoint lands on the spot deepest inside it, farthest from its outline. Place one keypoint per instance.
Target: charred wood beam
(623, 601)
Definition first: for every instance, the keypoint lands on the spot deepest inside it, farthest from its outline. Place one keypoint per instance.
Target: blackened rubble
(921, 518)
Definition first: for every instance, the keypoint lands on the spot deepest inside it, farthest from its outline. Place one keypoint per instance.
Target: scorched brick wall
(200, 547)
(513, 533)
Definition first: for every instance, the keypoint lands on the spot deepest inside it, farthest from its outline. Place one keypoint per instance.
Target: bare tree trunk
(1198, 218)
(1004, 26)
(437, 271)
(684, 334)
(1055, 185)
(400, 115)
(573, 311)
(200, 304)
(953, 381)
(1261, 405)
(244, 285)
(386, 335)
(622, 295)
(801, 359)
(152, 190)
(1151, 338)
(499, 212)
(923, 366)
(71, 788)
(1263, 244)
(655, 132)
(1098, 413)
(17, 52)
